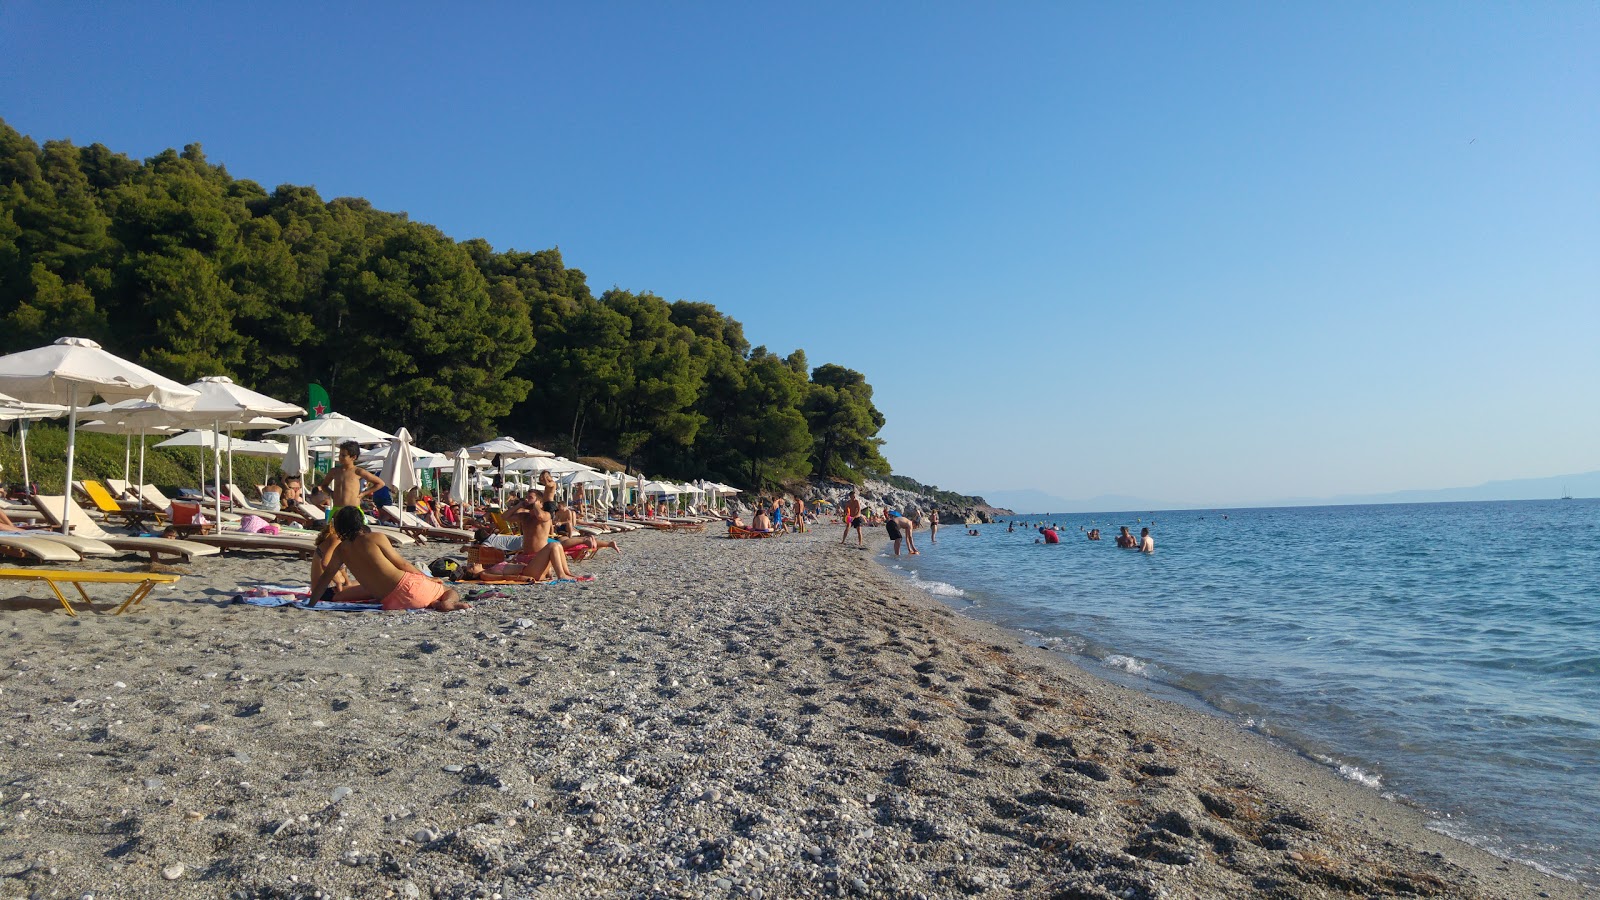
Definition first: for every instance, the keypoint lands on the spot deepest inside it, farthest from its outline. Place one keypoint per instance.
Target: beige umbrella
(78, 369)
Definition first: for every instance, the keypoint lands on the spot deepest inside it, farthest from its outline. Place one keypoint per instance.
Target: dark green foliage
(173, 262)
(950, 498)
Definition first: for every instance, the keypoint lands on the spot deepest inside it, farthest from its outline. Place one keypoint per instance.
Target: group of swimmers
(1050, 534)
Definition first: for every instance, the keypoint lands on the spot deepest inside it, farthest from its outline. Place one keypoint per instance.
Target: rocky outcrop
(881, 495)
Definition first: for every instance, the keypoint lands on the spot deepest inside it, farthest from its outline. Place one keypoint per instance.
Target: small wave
(1353, 773)
(936, 588)
(1127, 664)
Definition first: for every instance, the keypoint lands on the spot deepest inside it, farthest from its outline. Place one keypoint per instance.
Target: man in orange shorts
(383, 574)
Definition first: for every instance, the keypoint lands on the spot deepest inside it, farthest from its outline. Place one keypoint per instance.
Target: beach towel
(277, 595)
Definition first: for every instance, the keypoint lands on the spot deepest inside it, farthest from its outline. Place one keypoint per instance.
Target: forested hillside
(175, 263)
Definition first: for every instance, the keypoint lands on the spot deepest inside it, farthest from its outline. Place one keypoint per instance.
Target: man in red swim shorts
(383, 574)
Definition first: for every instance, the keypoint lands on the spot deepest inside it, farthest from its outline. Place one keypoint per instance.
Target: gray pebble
(153, 784)
(524, 623)
(339, 793)
(724, 883)
(173, 872)
(858, 885)
(452, 768)
(425, 836)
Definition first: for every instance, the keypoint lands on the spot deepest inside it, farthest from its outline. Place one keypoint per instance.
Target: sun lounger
(85, 547)
(395, 535)
(265, 543)
(83, 526)
(243, 506)
(42, 549)
(736, 531)
(132, 514)
(144, 581)
(410, 524)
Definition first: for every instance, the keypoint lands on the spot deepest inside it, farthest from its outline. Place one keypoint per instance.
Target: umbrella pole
(127, 454)
(72, 439)
(22, 431)
(219, 478)
(141, 465)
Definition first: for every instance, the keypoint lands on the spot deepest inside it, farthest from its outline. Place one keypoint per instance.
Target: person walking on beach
(852, 519)
(1147, 544)
(344, 482)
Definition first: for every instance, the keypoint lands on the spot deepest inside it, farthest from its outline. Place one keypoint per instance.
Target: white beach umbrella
(147, 418)
(459, 479)
(335, 427)
(504, 448)
(76, 370)
(399, 468)
(14, 410)
(225, 405)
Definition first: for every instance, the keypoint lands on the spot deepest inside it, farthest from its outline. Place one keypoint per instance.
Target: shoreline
(708, 718)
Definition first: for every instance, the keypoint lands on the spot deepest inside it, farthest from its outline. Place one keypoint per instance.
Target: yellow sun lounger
(145, 581)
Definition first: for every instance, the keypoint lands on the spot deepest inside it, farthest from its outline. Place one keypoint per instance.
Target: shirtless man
(1125, 540)
(383, 574)
(345, 481)
(543, 564)
(852, 519)
(1147, 544)
(933, 527)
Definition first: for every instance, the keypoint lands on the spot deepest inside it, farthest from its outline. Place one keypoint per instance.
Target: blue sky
(1215, 253)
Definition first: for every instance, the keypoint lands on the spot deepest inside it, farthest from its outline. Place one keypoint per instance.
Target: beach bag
(444, 567)
(252, 524)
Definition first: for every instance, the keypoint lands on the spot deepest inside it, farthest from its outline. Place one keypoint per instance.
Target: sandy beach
(708, 718)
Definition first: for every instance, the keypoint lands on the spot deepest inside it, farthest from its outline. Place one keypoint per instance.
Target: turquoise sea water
(1445, 654)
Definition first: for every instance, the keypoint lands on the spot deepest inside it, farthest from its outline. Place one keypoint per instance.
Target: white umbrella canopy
(77, 370)
(504, 446)
(399, 468)
(557, 464)
(222, 403)
(336, 427)
(660, 487)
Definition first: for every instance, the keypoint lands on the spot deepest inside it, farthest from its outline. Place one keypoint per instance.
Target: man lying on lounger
(384, 575)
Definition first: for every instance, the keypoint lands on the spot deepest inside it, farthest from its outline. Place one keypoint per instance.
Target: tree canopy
(173, 262)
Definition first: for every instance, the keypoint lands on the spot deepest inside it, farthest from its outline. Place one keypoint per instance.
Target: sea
(1445, 655)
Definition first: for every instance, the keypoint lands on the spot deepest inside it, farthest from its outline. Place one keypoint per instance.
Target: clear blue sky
(1211, 253)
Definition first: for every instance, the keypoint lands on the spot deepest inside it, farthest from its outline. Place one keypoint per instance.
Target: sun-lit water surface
(1447, 654)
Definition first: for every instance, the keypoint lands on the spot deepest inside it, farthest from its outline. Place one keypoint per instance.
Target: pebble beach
(707, 718)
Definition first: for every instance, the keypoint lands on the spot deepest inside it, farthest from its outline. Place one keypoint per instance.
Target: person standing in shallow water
(1147, 544)
(933, 526)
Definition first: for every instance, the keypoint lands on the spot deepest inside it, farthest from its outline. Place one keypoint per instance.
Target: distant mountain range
(1586, 484)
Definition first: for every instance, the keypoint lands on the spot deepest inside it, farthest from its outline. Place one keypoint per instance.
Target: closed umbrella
(296, 459)
(399, 467)
(459, 483)
(77, 370)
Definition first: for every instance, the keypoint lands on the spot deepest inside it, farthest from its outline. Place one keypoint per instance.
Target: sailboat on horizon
(1566, 493)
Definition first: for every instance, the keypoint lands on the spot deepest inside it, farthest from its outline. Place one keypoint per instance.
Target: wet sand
(708, 718)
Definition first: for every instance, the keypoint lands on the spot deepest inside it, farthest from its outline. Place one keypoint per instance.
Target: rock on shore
(709, 718)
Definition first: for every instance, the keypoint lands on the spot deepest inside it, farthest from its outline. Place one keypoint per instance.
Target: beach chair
(132, 515)
(83, 526)
(144, 582)
(42, 549)
(736, 531)
(410, 524)
(318, 516)
(501, 524)
(243, 506)
(300, 545)
(84, 547)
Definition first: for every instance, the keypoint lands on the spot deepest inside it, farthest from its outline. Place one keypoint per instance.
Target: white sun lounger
(409, 522)
(85, 547)
(395, 535)
(83, 526)
(42, 549)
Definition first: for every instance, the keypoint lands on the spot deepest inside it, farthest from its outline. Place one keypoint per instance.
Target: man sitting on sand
(382, 573)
